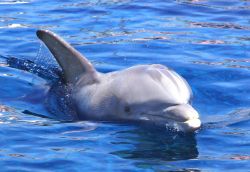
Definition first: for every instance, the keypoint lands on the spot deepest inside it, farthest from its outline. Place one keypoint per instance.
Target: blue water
(206, 41)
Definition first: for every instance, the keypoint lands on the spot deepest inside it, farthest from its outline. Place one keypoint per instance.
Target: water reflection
(157, 145)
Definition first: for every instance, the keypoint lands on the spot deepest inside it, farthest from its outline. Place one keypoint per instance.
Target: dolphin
(151, 93)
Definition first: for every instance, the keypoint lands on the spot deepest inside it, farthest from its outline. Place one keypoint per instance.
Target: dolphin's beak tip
(185, 116)
(194, 124)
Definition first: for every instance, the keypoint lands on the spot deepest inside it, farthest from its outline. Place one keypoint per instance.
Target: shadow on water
(157, 145)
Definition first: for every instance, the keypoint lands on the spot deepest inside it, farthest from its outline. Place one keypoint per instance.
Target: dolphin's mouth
(187, 126)
(179, 117)
(182, 117)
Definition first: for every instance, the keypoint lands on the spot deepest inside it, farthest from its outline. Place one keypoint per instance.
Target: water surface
(206, 41)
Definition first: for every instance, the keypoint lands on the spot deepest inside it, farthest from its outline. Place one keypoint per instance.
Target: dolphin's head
(182, 117)
(157, 94)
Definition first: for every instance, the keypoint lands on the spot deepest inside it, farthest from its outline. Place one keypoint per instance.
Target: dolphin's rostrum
(140, 93)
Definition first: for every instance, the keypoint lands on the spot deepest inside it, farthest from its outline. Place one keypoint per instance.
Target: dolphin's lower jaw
(185, 117)
(190, 125)
(187, 126)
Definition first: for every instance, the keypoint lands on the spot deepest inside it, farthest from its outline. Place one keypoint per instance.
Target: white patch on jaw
(191, 125)
(194, 123)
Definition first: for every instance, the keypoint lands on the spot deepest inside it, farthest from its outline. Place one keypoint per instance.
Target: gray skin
(150, 93)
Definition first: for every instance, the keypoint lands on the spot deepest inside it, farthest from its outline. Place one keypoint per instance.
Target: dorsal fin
(72, 62)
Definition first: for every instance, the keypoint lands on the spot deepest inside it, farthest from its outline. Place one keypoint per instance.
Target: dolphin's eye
(127, 109)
